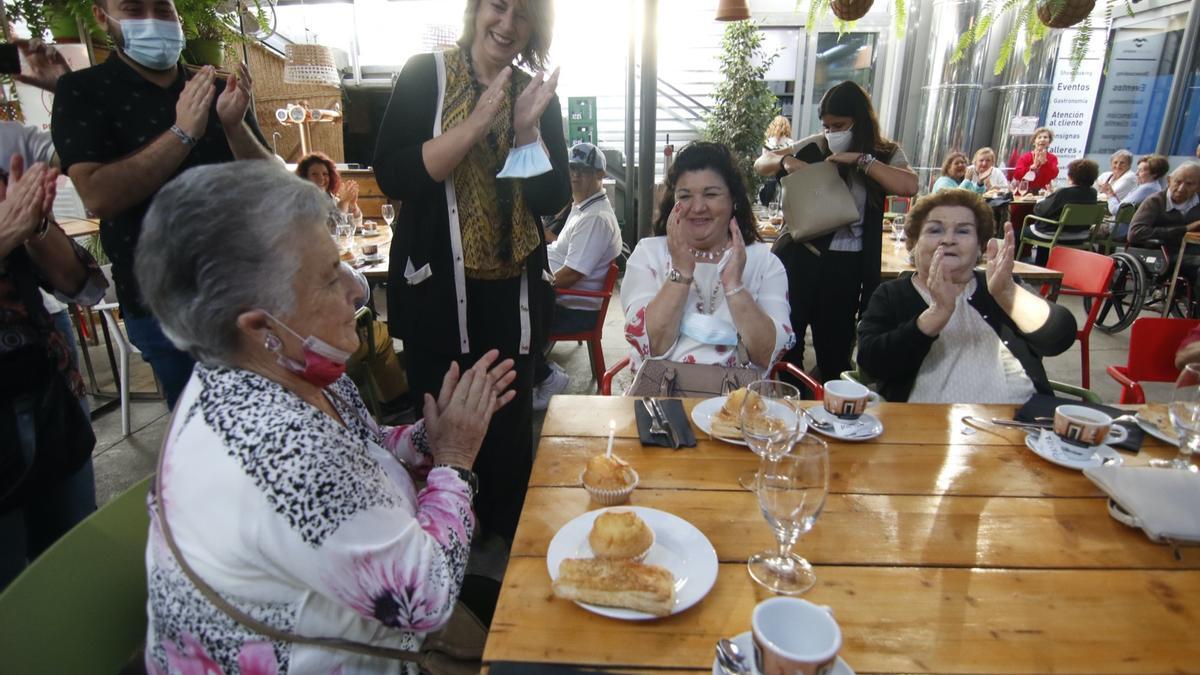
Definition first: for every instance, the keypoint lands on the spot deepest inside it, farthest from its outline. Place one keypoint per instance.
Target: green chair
(1074, 218)
(81, 606)
(1107, 245)
(859, 376)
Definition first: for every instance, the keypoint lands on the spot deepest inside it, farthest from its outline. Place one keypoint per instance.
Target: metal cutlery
(671, 433)
(656, 427)
(731, 658)
(816, 423)
(1021, 425)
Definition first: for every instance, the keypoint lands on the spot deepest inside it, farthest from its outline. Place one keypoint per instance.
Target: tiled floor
(121, 462)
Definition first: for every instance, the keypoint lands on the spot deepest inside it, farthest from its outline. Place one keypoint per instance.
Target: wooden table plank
(80, 227)
(889, 530)
(903, 423)
(893, 620)
(863, 468)
(894, 262)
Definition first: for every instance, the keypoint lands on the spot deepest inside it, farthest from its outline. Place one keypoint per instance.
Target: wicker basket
(850, 10)
(310, 64)
(1066, 15)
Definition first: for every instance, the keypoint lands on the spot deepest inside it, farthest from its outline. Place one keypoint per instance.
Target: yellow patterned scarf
(480, 212)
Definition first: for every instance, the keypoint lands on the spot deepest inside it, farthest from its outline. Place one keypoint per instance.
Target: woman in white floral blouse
(706, 284)
(281, 492)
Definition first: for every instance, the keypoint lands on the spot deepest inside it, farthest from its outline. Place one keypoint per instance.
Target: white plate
(1154, 431)
(372, 259)
(703, 412)
(866, 427)
(678, 546)
(745, 643)
(1047, 445)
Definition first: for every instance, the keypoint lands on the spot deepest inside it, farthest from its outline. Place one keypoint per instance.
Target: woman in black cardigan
(949, 333)
(472, 146)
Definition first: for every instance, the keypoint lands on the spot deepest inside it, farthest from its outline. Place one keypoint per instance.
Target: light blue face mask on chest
(708, 329)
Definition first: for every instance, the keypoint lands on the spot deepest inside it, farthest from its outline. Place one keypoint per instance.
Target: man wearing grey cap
(590, 240)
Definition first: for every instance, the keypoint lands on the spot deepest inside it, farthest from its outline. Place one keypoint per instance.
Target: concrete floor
(122, 461)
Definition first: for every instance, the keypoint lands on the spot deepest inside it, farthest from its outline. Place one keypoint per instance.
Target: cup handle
(1116, 434)
(827, 608)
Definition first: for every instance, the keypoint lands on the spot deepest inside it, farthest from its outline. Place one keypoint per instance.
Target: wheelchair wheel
(1129, 289)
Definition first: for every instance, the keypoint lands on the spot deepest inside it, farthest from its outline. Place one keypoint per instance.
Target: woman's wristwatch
(864, 161)
(677, 276)
(468, 476)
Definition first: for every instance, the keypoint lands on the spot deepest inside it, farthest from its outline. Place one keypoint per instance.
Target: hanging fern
(899, 18)
(817, 11)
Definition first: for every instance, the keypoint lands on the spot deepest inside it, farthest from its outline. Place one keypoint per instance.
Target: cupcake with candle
(609, 479)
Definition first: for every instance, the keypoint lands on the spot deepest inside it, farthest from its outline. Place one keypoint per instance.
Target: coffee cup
(794, 636)
(370, 250)
(846, 400)
(1086, 427)
(370, 225)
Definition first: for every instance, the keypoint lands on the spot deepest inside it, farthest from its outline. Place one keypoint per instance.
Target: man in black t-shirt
(126, 127)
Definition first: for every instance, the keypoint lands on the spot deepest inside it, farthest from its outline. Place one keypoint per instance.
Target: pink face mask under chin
(323, 363)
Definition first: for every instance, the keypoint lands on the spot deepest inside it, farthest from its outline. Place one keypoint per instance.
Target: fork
(656, 426)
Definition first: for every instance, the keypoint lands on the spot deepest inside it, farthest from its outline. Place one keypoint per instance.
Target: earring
(272, 343)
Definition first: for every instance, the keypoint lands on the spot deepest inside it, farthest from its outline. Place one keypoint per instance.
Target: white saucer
(1154, 431)
(370, 233)
(866, 427)
(372, 259)
(678, 546)
(1047, 445)
(745, 643)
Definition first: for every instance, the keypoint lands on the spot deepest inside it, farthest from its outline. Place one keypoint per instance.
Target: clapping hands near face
(26, 199)
(942, 288)
(235, 100)
(731, 276)
(681, 254)
(1001, 258)
(530, 105)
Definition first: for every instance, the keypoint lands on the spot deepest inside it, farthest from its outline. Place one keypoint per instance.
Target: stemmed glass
(1184, 411)
(791, 493)
(345, 228)
(388, 212)
(1023, 187)
(771, 422)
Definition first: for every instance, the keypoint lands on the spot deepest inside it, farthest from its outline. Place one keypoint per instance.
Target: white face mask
(839, 141)
(708, 329)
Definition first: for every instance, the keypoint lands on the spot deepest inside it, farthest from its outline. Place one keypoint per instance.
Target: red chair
(1152, 347)
(780, 367)
(1088, 275)
(592, 336)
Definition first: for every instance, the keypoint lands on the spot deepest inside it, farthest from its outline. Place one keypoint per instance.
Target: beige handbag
(816, 201)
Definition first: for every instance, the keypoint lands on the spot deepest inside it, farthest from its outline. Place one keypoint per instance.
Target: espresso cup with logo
(847, 400)
(370, 225)
(1086, 427)
(794, 637)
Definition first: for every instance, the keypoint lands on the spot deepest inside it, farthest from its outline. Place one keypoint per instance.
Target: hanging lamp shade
(309, 64)
(732, 10)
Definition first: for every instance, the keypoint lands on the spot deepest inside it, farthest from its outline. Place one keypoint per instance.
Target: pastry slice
(617, 583)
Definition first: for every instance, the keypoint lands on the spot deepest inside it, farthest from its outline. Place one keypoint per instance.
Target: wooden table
(378, 271)
(938, 551)
(80, 227)
(895, 261)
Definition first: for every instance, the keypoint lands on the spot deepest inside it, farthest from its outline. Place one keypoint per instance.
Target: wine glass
(1184, 411)
(791, 493)
(344, 229)
(388, 212)
(771, 422)
(1023, 187)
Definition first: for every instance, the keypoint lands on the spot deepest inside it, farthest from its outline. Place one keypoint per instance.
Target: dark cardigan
(426, 314)
(891, 348)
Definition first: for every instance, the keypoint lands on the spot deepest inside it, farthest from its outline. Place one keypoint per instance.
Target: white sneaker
(556, 383)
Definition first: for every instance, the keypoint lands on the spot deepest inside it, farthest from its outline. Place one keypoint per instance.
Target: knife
(666, 422)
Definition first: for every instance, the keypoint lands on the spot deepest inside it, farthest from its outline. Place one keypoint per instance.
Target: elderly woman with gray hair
(1118, 181)
(276, 491)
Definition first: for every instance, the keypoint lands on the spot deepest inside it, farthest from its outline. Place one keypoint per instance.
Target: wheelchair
(1141, 281)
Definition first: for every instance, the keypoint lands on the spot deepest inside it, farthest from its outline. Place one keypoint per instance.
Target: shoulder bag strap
(238, 615)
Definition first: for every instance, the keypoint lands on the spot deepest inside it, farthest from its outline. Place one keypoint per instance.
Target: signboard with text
(1135, 89)
(1073, 98)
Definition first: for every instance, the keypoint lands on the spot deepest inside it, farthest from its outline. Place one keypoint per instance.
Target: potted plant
(1035, 18)
(744, 105)
(57, 17)
(209, 25)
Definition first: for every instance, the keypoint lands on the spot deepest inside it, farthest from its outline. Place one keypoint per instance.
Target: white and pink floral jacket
(309, 526)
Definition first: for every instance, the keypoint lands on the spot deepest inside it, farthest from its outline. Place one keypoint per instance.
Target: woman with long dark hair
(472, 146)
(831, 277)
(705, 284)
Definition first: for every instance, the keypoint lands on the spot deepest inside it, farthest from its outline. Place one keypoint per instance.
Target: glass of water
(1184, 411)
(388, 212)
(791, 494)
(771, 421)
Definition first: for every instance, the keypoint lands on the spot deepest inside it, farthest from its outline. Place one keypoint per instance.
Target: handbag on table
(673, 379)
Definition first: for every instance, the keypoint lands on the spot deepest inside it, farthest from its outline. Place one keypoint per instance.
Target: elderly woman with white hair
(277, 492)
(1118, 181)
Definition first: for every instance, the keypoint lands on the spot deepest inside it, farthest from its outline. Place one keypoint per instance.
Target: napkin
(1164, 502)
(1042, 405)
(673, 409)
